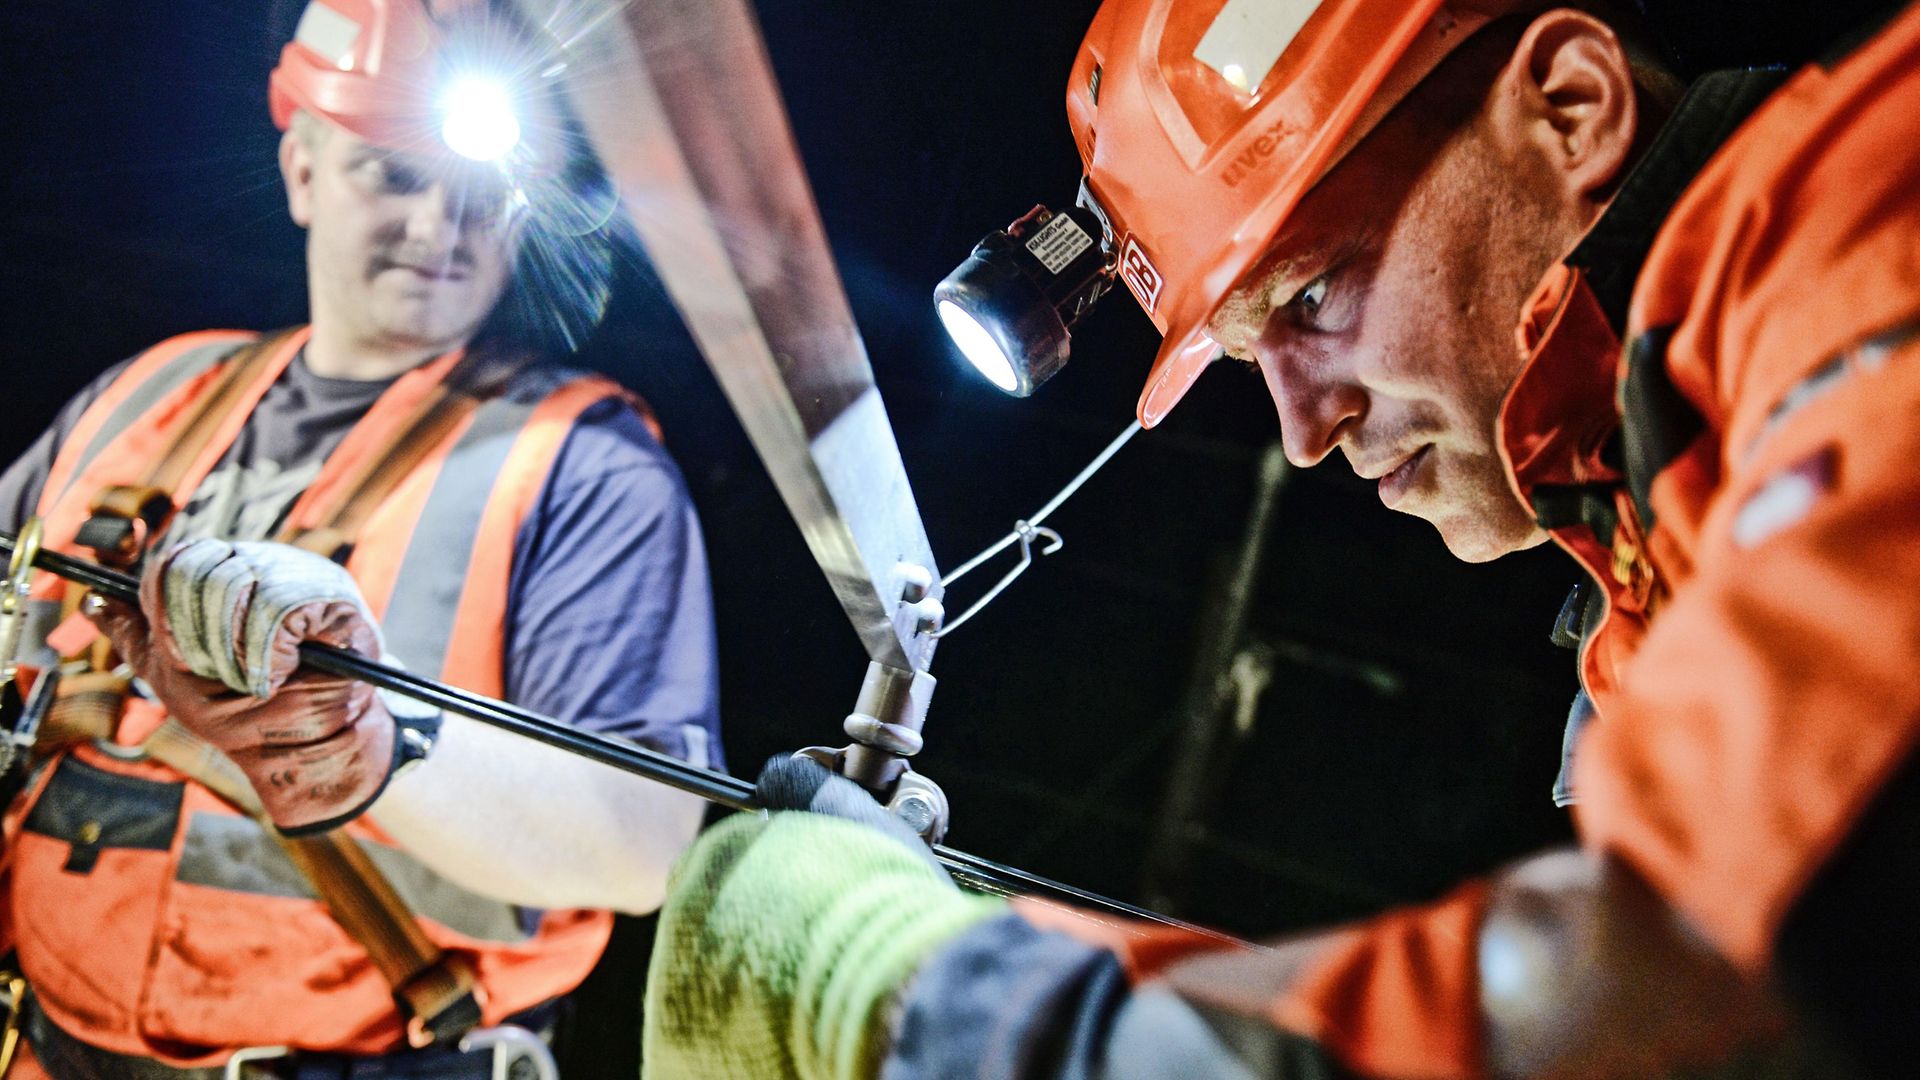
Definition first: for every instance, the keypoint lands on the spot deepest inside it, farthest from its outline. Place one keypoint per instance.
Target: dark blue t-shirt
(609, 615)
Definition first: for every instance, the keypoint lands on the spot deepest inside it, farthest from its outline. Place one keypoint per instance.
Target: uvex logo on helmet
(1255, 154)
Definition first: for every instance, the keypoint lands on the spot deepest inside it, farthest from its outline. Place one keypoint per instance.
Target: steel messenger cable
(971, 871)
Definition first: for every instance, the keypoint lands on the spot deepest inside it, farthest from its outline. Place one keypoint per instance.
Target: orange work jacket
(1723, 427)
(1754, 674)
(154, 919)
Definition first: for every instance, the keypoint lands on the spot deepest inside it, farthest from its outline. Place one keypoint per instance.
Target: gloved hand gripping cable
(971, 871)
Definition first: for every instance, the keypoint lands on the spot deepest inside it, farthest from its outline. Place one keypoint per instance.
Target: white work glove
(217, 637)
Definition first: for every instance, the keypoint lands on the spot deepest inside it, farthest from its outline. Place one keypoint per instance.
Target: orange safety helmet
(369, 67)
(1202, 123)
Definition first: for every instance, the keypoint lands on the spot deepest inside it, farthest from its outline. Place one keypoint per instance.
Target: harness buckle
(236, 1068)
(123, 519)
(509, 1043)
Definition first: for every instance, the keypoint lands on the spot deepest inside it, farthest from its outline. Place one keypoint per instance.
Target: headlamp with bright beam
(1011, 306)
(477, 118)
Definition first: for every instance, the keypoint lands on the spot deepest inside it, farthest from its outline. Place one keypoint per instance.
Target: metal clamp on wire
(885, 728)
(885, 724)
(23, 723)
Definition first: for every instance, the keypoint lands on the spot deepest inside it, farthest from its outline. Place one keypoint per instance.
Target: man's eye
(1310, 298)
(402, 179)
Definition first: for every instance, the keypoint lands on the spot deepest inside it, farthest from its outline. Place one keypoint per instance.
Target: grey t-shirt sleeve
(609, 612)
(23, 481)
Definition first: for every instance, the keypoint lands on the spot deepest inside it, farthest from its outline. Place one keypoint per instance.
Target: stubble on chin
(1477, 514)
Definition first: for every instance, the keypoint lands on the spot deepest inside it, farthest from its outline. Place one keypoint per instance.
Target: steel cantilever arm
(972, 871)
(679, 102)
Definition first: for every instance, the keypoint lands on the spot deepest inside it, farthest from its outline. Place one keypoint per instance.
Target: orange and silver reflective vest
(154, 919)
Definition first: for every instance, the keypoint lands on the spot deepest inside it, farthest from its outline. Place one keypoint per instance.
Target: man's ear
(296, 168)
(1567, 93)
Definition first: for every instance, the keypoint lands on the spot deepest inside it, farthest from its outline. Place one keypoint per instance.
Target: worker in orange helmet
(1538, 289)
(227, 865)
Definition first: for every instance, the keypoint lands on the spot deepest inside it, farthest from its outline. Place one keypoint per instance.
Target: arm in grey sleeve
(1008, 1000)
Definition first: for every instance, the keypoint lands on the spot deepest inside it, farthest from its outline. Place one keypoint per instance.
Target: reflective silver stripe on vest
(426, 591)
(172, 375)
(1865, 357)
(222, 851)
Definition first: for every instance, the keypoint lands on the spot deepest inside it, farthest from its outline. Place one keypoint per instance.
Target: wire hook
(1026, 532)
(1023, 534)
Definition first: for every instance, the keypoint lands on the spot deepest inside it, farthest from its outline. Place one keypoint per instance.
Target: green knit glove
(783, 942)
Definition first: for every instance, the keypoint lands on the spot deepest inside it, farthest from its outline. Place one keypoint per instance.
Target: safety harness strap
(126, 518)
(331, 521)
(437, 991)
(1659, 422)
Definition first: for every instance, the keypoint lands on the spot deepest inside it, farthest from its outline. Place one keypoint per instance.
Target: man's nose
(1316, 408)
(433, 216)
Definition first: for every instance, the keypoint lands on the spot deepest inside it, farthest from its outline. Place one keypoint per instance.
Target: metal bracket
(920, 802)
(885, 728)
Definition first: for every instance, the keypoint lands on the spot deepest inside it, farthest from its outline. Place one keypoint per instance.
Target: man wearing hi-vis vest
(223, 863)
(1539, 289)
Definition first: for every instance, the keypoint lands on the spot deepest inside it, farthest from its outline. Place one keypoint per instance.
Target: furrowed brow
(1250, 302)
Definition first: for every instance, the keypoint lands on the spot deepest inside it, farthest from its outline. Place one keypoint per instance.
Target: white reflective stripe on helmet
(1248, 37)
(329, 34)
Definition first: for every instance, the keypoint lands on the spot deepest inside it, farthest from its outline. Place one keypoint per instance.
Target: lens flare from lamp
(478, 120)
(978, 346)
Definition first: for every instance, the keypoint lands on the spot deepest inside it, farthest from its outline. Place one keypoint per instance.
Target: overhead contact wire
(984, 875)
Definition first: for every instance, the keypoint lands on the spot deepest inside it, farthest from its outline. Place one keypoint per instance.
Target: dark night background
(1410, 733)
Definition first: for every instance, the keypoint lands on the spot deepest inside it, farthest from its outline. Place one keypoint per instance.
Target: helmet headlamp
(477, 118)
(1011, 306)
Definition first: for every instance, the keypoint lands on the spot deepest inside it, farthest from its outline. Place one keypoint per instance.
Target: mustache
(459, 258)
(1373, 445)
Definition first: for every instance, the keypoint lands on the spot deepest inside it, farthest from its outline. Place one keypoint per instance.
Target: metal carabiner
(13, 598)
(238, 1061)
(509, 1042)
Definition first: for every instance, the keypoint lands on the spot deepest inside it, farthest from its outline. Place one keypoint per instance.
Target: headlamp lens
(478, 120)
(978, 346)
(1011, 306)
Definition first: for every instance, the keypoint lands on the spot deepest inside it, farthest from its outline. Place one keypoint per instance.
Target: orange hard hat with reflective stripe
(369, 67)
(1202, 123)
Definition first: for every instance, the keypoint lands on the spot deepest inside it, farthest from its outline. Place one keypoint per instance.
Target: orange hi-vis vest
(154, 919)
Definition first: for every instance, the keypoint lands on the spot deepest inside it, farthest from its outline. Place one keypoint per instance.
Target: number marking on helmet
(1138, 272)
